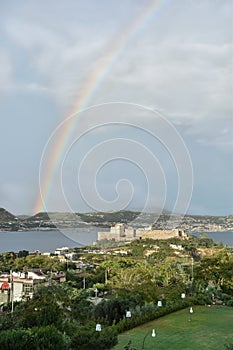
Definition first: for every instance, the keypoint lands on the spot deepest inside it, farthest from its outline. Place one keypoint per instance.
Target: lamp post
(12, 291)
(153, 334)
(190, 313)
(192, 277)
(192, 269)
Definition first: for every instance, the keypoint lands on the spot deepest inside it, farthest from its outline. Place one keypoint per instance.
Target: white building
(18, 286)
(61, 251)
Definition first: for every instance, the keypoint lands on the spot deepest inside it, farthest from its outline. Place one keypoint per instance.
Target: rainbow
(90, 87)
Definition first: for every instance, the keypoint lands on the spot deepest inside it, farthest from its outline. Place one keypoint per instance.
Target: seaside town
(49, 221)
(20, 285)
(116, 211)
(129, 276)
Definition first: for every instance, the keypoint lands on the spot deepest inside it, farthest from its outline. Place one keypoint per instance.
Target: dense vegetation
(131, 278)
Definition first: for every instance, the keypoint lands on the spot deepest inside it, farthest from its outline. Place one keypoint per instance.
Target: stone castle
(121, 232)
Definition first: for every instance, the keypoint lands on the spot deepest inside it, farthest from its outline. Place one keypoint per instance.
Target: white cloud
(61, 54)
(182, 85)
(179, 73)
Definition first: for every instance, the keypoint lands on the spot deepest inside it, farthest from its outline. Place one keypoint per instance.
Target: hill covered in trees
(53, 220)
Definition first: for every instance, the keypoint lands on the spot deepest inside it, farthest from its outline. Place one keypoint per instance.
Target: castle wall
(160, 234)
(107, 235)
(130, 233)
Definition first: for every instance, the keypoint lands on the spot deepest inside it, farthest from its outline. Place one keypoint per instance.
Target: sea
(48, 241)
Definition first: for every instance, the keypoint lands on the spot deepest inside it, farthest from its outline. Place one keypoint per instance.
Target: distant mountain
(92, 217)
(8, 221)
(123, 216)
(6, 216)
(23, 217)
(58, 220)
(38, 217)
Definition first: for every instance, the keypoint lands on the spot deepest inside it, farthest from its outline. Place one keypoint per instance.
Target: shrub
(87, 338)
(16, 339)
(49, 338)
(230, 302)
(149, 313)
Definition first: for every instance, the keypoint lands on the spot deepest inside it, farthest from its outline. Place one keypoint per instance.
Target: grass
(209, 329)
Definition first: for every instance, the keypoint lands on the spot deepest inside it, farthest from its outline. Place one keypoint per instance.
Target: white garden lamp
(153, 334)
(190, 312)
(159, 304)
(128, 314)
(98, 327)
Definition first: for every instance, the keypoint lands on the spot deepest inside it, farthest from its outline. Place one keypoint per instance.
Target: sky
(110, 105)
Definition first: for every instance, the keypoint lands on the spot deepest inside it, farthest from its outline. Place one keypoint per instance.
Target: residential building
(19, 286)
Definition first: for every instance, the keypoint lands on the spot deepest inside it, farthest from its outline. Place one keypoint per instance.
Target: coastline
(93, 227)
(49, 240)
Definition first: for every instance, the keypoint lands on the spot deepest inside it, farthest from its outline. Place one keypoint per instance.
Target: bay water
(48, 241)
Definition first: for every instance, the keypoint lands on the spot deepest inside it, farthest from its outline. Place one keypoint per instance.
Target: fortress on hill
(121, 232)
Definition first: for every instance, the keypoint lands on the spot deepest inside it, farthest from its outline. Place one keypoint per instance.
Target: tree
(217, 268)
(7, 261)
(36, 261)
(46, 308)
(23, 253)
(49, 338)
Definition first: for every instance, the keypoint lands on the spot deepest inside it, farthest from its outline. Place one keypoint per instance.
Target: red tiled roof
(5, 285)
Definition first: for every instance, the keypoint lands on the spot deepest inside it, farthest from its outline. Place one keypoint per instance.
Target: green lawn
(210, 328)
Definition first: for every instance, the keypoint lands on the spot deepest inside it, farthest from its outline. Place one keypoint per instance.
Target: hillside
(8, 221)
(6, 216)
(124, 216)
(59, 220)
